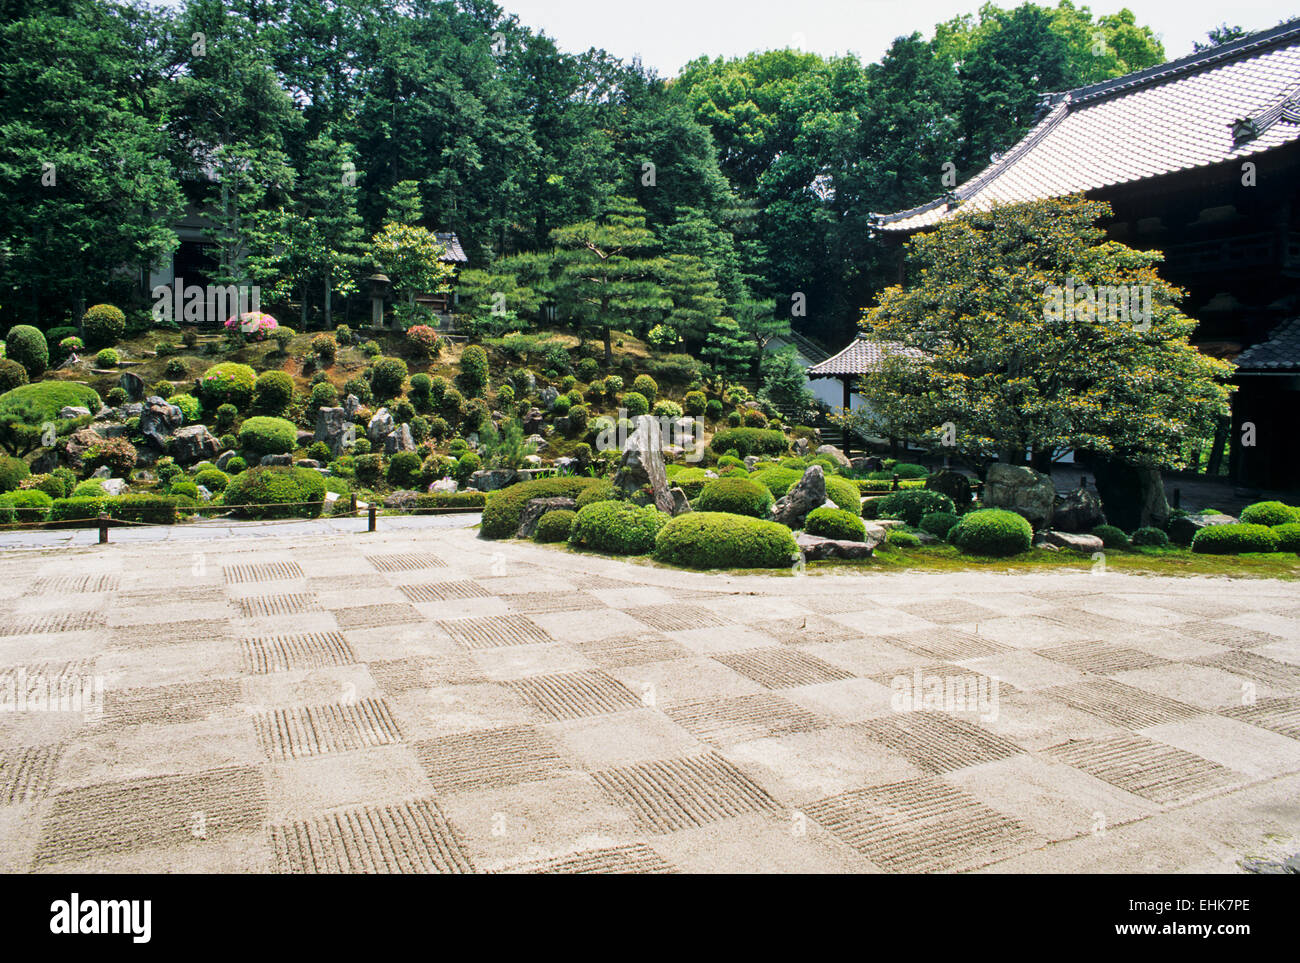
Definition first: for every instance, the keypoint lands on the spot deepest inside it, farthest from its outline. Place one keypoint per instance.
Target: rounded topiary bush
(12, 472)
(602, 490)
(843, 493)
(618, 528)
(901, 539)
(750, 441)
(90, 488)
(1234, 539)
(503, 508)
(938, 524)
(404, 469)
(227, 383)
(695, 403)
(272, 392)
(189, 406)
(387, 376)
(990, 531)
(275, 492)
(266, 435)
(473, 371)
(835, 523)
(1150, 537)
(555, 526)
(106, 358)
(776, 480)
(213, 479)
(324, 395)
(1288, 537)
(28, 347)
(646, 386)
(12, 374)
(635, 403)
(738, 496)
(24, 505)
(718, 540)
(102, 325)
(1269, 513)
(325, 348)
(914, 504)
(1112, 537)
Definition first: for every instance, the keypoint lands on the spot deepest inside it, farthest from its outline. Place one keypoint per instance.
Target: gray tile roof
(454, 251)
(862, 356)
(1280, 351)
(1222, 104)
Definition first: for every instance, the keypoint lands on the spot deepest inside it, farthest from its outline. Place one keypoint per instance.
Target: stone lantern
(380, 285)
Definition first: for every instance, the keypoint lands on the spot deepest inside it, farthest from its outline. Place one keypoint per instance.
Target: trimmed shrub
(175, 368)
(738, 496)
(562, 405)
(578, 419)
(667, 409)
(695, 403)
(451, 500)
(587, 369)
(77, 508)
(102, 325)
(282, 336)
(60, 333)
(152, 509)
(466, 465)
(938, 524)
(90, 488)
(1150, 536)
(227, 383)
(989, 531)
(213, 479)
(644, 385)
(324, 395)
(107, 358)
(635, 403)
(12, 472)
(1112, 537)
(24, 505)
(843, 493)
(777, 480)
(324, 347)
(28, 347)
(1234, 539)
(914, 504)
(473, 371)
(618, 528)
(387, 376)
(12, 375)
(1288, 537)
(719, 540)
(424, 340)
(614, 385)
(273, 392)
(503, 508)
(1269, 513)
(753, 418)
(189, 406)
(183, 486)
(56, 486)
(750, 441)
(368, 468)
(404, 469)
(235, 465)
(602, 490)
(555, 525)
(835, 523)
(274, 492)
(265, 435)
(117, 453)
(901, 539)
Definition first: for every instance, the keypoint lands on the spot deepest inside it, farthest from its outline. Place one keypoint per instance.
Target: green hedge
(738, 496)
(1288, 537)
(879, 486)
(690, 480)
(24, 505)
(451, 500)
(991, 531)
(750, 441)
(1270, 513)
(265, 435)
(503, 508)
(718, 540)
(151, 509)
(913, 505)
(835, 523)
(555, 526)
(1235, 538)
(273, 492)
(618, 528)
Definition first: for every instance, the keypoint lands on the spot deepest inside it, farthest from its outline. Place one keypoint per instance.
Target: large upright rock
(1078, 511)
(399, 439)
(132, 384)
(1184, 528)
(332, 427)
(1022, 490)
(194, 443)
(643, 464)
(808, 492)
(381, 423)
(158, 420)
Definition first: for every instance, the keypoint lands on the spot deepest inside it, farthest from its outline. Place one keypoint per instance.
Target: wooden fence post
(372, 516)
(103, 529)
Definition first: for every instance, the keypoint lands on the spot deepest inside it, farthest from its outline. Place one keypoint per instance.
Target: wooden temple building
(1199, 158)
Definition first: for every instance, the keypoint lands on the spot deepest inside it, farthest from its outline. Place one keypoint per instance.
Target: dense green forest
(701, 210)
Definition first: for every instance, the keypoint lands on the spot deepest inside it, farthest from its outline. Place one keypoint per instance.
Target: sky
(666, 34)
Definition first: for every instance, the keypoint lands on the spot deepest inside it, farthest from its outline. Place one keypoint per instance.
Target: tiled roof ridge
(1278, 351)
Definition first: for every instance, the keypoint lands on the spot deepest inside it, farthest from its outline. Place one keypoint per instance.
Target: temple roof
(1221, 104)
(454, 251)
(862, 356)
(1279, 352)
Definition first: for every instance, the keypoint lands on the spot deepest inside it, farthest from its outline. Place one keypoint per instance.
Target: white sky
(668, 33)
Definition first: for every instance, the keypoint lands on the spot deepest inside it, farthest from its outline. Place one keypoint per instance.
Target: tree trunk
(1217, 446)
(609, 347)
(329, 305)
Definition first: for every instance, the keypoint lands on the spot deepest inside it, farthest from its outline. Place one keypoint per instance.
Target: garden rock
(1020, 489)
(533, 422)
(835, 454)
(159, 420)
(750, 462)
(1080, 542)
(132, 384)
(548, 396)
(223, 459)
(402, 500)
(1183, 529)
(951, 483)
(444, 485)
(204, 494)
(399, 439)
(334, 427)
(276, 460)
(351, 405)
(79, 442)
(133, 409)
(194, 443)
(801, 447)
(681, 505)
(381, 423)
(865, 463)
(114, 486)
(73, 411)
(643, 464)
(818, 549)
(103, 471)
(311, 463)
(492, 479)
(808, 493)
(1078, 511)
(535, 508)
